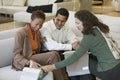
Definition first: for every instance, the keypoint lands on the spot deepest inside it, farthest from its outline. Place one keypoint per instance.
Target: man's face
(60, 21)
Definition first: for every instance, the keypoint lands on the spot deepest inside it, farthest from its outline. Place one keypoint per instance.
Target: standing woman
(102, 62)
(28, 44)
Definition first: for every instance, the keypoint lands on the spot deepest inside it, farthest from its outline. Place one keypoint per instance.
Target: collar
(55, 28)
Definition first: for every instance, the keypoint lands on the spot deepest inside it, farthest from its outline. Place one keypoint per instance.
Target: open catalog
(31, 74)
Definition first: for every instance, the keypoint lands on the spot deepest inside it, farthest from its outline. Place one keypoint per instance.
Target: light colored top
(58, 39)
(98, 47)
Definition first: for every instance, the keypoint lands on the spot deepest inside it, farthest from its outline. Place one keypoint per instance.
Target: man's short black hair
(63, 12)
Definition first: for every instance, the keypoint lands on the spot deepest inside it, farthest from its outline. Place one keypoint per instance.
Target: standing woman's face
(36, 24)
(79, 24)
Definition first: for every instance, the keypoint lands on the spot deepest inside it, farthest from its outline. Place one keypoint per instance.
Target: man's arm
(54, 45)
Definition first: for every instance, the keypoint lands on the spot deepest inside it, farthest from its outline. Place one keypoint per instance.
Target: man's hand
(44, 39)
(75, 44)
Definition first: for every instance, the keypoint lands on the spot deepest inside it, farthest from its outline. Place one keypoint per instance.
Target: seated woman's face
(36, 24)
(79, 24)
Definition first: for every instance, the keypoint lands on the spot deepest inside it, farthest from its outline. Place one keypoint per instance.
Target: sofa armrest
(6, 48)
(70, 5)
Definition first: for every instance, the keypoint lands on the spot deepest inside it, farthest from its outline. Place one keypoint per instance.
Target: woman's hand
(34, 64)
(48, 68)
(75, 44)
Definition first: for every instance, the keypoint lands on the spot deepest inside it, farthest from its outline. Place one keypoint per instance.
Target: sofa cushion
(6, 48)
(40, 2)
(45, 8)
(19, 2)
(7, 2)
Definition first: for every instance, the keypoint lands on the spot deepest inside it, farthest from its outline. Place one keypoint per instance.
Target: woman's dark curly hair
(89, 22)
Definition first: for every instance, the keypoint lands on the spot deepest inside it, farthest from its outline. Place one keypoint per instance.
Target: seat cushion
(7, 71)
(15, 75)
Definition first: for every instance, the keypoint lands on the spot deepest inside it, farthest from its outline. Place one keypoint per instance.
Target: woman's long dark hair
(89, 21)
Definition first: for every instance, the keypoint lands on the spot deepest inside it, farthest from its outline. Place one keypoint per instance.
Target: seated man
(59, 35)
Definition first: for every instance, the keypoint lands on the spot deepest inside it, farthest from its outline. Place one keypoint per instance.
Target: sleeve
(19, 61)
(54, 45)
(82, 49)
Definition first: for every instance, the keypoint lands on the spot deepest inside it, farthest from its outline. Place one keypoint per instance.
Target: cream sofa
(78, 68)
(13, 6)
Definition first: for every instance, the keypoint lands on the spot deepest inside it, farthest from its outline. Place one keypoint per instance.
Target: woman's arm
(48, 68)
(19, 61)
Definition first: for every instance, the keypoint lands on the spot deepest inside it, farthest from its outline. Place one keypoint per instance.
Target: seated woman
(28, 44)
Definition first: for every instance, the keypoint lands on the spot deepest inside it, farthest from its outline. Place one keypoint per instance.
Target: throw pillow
(66, 0)
(58, 1)
(45, 8)
(7, 2)
(19, 2)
